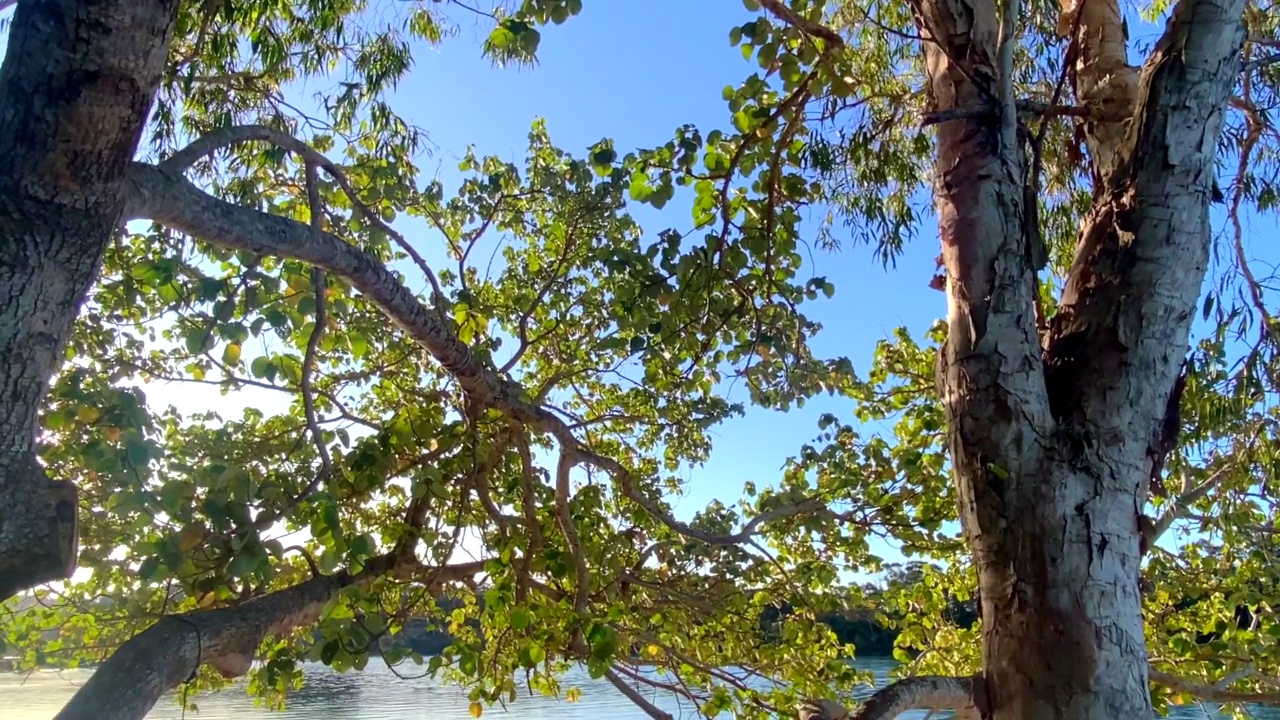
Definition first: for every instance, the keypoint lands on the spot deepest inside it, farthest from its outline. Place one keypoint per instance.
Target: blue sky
(634, 71)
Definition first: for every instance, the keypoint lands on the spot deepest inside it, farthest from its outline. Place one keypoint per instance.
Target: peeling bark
(76, 85)
(1103, 79)
(1052, 448)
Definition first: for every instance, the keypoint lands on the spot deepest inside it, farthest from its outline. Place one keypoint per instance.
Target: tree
(566, 390)
(382, 462)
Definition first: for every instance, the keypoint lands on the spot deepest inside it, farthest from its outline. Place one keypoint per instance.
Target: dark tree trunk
(76, 86)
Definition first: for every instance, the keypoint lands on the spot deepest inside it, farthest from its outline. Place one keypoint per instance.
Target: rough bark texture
(76, 86)
(1052, 448)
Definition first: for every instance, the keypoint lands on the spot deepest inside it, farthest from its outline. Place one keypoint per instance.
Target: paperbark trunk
(1052, 437)
(76, 86)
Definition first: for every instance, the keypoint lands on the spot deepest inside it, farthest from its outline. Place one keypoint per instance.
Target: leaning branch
(173, 201)
(172, 650)
(925, 692)
(1213, 693)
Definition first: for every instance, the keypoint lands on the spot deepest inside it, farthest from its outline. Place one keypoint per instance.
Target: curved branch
(924, 692)
(178, 163)
(319, 285)
(1213, 693)
(172, 650)
(161, 196)
(935, 692)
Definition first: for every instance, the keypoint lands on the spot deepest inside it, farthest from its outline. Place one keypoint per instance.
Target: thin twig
(319, 284)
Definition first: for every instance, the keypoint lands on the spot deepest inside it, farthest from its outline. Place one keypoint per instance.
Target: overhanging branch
(175, 202)
(1213, 693)
(172, 650)
(924, 692)
(180, 161)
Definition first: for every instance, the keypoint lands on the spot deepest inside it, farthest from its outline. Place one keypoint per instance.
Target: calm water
(377, 694)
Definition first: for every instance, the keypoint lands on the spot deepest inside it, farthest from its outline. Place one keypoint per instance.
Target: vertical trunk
(1062, 622)
(76, 86)
(1051, 441)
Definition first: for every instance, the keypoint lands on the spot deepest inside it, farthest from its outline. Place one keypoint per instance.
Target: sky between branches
(634, 70)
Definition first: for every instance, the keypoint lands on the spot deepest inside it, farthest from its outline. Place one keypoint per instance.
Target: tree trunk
(76, 86)
(1052, 438)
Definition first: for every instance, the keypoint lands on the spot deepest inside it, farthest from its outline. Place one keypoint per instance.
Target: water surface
(377, 694)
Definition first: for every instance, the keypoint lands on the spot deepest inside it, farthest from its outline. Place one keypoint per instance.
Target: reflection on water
(377, 694)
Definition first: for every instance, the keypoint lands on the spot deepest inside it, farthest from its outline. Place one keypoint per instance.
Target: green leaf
(149, 568)
(330, 651)
(519, 619)
(137, 452)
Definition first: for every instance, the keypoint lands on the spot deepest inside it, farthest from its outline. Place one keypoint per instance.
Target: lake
(377, 694)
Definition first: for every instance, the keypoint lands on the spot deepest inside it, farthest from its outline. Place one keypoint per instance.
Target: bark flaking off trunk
(1051, 450)
(77, 83)
(1067, 640)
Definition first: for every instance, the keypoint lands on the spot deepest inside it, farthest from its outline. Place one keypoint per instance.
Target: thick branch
(1102, 77)
(925, 692)
(1117, 344)
(173, 201)
(178, 163)
(1213, 693)
(167, 653)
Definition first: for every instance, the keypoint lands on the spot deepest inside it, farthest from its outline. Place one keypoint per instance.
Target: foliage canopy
(593, 328)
